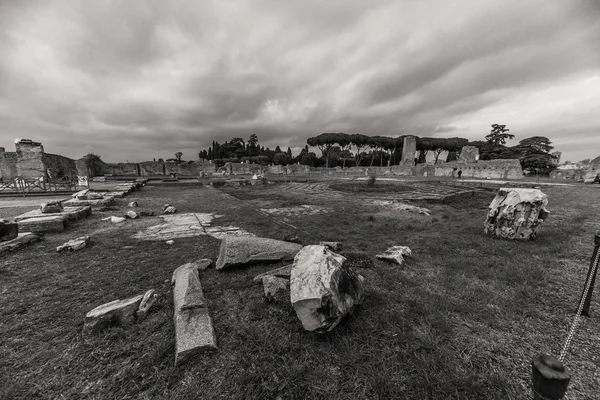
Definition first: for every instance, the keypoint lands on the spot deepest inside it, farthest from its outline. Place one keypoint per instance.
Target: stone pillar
(30, 164)
(469, 154)
(409, 149)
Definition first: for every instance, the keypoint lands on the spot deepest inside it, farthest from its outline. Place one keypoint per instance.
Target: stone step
(56, 223)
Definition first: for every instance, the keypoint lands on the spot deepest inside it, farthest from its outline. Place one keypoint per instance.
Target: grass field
(461, 320)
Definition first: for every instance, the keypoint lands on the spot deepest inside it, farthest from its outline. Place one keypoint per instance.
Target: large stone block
(22, 240)
(117, 312)
(55, 223)
(516, 213)
(244, 250)
(194, 332)
(322, 289)
(8, 230)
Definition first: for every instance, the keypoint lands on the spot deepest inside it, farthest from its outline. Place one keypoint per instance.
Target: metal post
(593, 267)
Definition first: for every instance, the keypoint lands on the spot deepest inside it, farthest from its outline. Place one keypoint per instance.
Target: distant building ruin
(29, 161)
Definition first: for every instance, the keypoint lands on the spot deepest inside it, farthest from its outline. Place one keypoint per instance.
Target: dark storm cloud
(141, 80)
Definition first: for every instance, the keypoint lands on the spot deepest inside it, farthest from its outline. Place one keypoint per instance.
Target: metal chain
(576, 320)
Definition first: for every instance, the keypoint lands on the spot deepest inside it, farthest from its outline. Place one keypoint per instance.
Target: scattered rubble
(150, 297)
(8, 230)
(169, 209)
(51, 207)
(322, 289)
(74, 244)
(132, 204)
(194, 331)
(395, 254)
(516, 213)
(236, 251)
(170, 242)
(132, 214)
(114, 220)
(283, 272)
(117, 312)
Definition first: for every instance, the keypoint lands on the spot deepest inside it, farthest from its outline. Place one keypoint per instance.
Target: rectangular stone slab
(194, 332)
(43, 224)
(94, 203)
(70, 213)
(22, 240)
(117, 312)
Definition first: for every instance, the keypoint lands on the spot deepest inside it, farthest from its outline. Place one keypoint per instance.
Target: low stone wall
(121, 169)
(492, 169)
(152, 168)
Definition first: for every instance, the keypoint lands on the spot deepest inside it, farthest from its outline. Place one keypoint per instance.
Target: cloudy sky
(136, 80)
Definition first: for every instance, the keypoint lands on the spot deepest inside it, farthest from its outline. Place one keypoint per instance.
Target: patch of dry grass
(462, 319)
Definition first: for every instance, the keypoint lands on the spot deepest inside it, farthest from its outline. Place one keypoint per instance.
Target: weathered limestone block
(117, 312)
(241, 250)
(74, 244)
(169, 209)
(114, 220)
(8, 230)
(395, 254)
(70, 213)
(132, 214)
(22, 240)
(283, 272)
(322, 289)
(51, 207)
(516, 213)
(194, 331)
(55, 223)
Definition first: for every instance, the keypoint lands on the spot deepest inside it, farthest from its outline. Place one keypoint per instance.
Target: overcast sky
(136, 80)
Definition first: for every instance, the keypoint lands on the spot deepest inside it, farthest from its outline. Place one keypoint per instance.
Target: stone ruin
(30, 161)
(516, 213)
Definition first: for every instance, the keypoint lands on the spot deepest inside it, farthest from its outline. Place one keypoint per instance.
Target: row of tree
(356, 149)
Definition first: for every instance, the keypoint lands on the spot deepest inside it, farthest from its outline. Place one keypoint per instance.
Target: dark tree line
(238, 150)
(356, 149)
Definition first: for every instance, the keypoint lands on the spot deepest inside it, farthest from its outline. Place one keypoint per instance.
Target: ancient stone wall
(59, 166)
(152, 168)
(30, 164)
(8, 164)
(121, 169)
(492, 169)
(408, 150)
